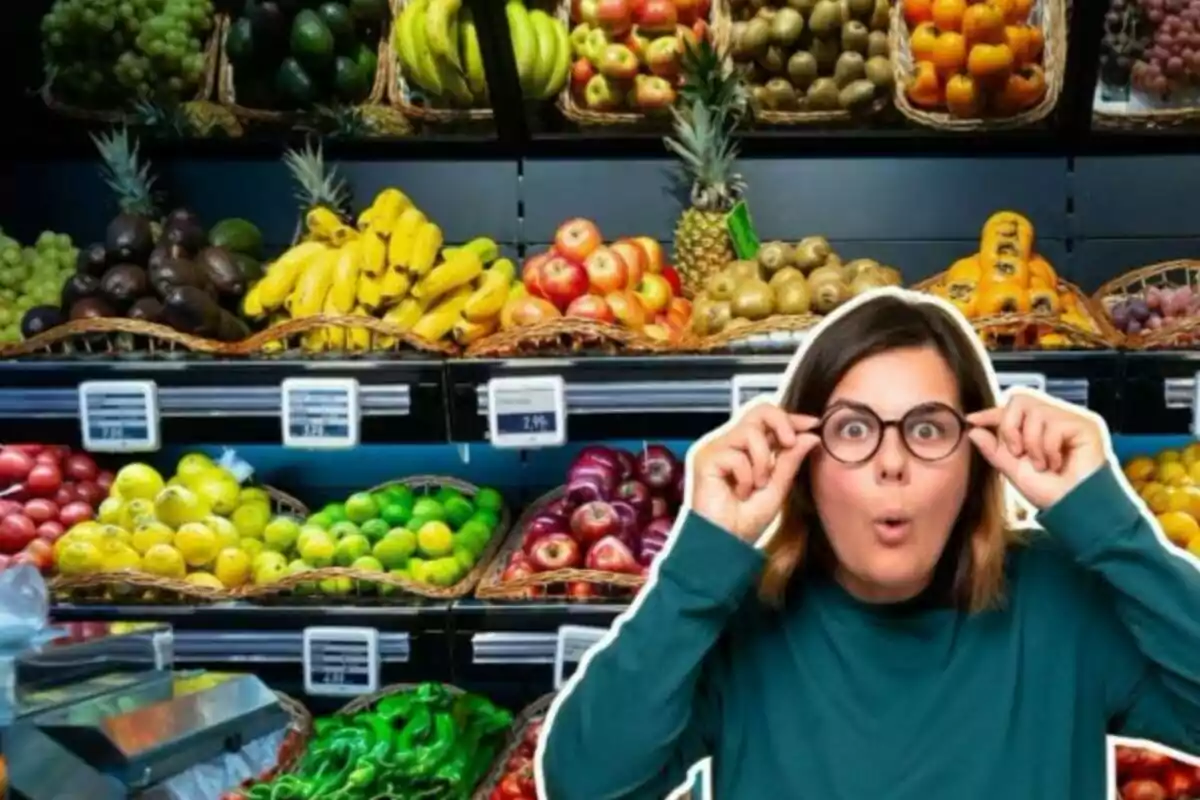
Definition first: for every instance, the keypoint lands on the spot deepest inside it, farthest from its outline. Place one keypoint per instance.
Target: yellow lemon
(179, 505)
(1191, 454)
(136, 512)
(197, 543)
(251, 519)
(120, 557)
(78, 558)
(252, 546)
(1140, 469)
(1167, 456)
(192, 466)
(149, 534)
(253, 494)
(218, 489)
(165, 561)
(110, 510)
(1179, 527)
(138, 482)
(227, 533)
(206, 580)
(232, 567)
(1170, 472)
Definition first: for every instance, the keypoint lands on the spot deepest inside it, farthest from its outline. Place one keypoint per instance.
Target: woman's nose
(891, 462)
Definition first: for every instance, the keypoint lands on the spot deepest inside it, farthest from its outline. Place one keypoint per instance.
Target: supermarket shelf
(472, 616)
(260, 621)
(267, 647)
(1158, 392)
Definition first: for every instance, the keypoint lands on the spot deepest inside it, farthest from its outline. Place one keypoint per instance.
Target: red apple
(16, 531)
(1143, 790)
(1180, 782)
(629, 523)
(539, 526)
(672, 276)
(655, 293)
(654, 538)
(41, 510)
(90, 493)
(634, 258)
(15, 464)
(522, 312)
(105, 480)
(627, 308)
(590, 482)
(43, 480)
(555, 551)
(610, 554)
(50, 530)
(562, 507)
(80, 467)
(653, 251)
(679, 311)
(581, 590)
(658, 17)
(590, 306)
(521, 569)
(637, 7)
(638, 43)
(531, 272)
(598, 454)
(614, 16)
(657, 467)
(582, 71)
(637, 495)
(593, 521)
(618, 63)
(30, 450)
(659, 507)
(664, 54)
(606, 271)
(563, 280)
(652, 93)
(67, 493)
(74, 513)
(576, 238)
(687, 11)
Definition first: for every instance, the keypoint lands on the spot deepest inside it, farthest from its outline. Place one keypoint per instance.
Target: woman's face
(888, 519)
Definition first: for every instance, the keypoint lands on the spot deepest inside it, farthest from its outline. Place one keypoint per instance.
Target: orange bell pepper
(990, 64)
(923, 39)
(924, 89)
(983, 24)
(949, 54)
(962, 97)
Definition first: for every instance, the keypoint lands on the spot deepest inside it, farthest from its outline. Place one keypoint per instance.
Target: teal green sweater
(835, 699)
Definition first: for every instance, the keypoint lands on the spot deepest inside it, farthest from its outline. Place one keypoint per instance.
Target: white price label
(748, 387)
(1031, 380)
(119, 416)
(320, 413)
(527, 412)
(341, 662)
(573, 643)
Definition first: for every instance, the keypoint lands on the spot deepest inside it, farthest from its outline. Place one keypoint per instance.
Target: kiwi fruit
(785, 275)
(855, 37)
(826, 52)
(762, 97)
(781, 93)
(879, 16)
(793, 297)
(852, 269)
(753, 300)
(805, 7)
(743, 271)
(787, 26)
(736, 33)
(827, 295)
(826, 18)
(774, 60)
(774, 256)
(878, 70)
(802, 69)
(711, 316)
(892, 276)
(721, 285)
(811, 252)
(823, 95)
(756, 37)
(857, 95)
(767, 12)
(850, 68)
(827, 272)
(866, 281)
(877, 44)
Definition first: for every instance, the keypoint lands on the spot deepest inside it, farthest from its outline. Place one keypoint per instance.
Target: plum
(1153, 298)
(1120, 316)
(1138, 310)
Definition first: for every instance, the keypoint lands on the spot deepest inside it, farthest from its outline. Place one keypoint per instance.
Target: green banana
(441, 29)
(414, 51)
(547, 44)
(525, 48)
(562, 68)
(472, 56)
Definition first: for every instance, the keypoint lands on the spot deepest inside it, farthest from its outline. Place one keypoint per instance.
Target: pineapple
(712, 102)
(323, 195)
(364, 122)
(196, 118)
(125, 174)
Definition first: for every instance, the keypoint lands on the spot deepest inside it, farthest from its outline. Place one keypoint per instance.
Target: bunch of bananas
(390, 265)
(542, 49)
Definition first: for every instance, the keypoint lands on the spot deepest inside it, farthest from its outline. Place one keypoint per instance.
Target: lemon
(78, 558)
(110, 510)
(253, 494)
(336, 586)
(318, 549)
(1191, 453)
(110, 536)
(196, 543)
(120, 557)
(206, 580)
(270, 572)
(218, 489)
(178, 505)
(227, 533)
(281, 534)
(295, 568)
(435, 539)
(1179, 527)
(269, 558)
(192, 466)
(251, 519)
(138, 482)
(1140, 468)
(252, 546)
(135, 512)
(165, 561)
(232, 567)
(149, 534)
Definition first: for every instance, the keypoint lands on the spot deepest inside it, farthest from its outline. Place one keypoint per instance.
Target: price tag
(119, 416)
(748, 387)
(339, 662)
(1032, 380)
(527, 412)
(320, 413)
(573, 642)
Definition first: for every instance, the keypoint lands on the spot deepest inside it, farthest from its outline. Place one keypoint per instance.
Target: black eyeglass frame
(898, 424)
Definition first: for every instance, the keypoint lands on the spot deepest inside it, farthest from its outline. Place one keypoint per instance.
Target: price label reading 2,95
(119, 416)
(340, 662)
(527, 412)
(320, 412)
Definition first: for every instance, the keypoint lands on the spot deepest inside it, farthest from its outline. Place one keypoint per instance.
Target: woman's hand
(742, 476)
(1044, 450)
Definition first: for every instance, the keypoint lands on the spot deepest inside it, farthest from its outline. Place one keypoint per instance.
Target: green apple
(361, 507)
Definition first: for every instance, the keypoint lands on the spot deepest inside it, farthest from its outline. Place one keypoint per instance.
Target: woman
(892, 638)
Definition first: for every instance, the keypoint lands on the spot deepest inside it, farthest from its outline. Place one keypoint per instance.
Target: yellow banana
(252, 307)
(370, 293)
(465, 331)
(359, 339)
(406, 314)
(395, 284)
(374, 254)
(487, 300)
(404, 233)
(472, 56)
(487, 249)
(435, 323)
(441, 30)
(282, 275)
(345, 279)
(335, 335)
(517, 290)
(324, 224)
(462, 268)
(308, 298)
(426, 245)
(314, 341)
(381, 215)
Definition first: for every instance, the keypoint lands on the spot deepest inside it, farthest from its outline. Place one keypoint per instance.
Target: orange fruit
(948, 14)
(1182, 529)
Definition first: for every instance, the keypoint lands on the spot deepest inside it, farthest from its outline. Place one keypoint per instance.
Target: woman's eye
(927, 430)
(853, 430)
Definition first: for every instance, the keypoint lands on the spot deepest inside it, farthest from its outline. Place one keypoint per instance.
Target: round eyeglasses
(852, 433)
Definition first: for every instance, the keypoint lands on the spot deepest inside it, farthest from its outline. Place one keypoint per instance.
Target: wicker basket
(775, 332)
(112, 337)
(567, 335)
(212, 49)
(534, 710)
(368, 585)
(287, 339)
(109, 588)
(1023, 331)
(720, 28)
(553, 583)
(227, 88)
(1176, 333)
(1050, 15)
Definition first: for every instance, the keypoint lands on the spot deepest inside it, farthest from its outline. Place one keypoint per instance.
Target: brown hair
(970, 572)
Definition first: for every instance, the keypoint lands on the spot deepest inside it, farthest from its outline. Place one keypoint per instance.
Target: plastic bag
(24, 613)
(225, 773)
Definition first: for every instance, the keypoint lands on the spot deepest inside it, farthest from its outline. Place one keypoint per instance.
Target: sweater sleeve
(1147, 623)
(647, 706)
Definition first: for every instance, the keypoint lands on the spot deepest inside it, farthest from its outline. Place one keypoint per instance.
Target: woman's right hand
(741, 477)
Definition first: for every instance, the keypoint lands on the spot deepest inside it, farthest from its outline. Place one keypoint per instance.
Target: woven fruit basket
(113, 337)
(717, 29)
(1081, 325)
(291, 749)
(778, 332)
(575, 584)
(519, 749)
(1164, 295)
(566, 336)
(124, 116)
(341, 336)
(130, 587)
(381, 588)
(227, 86)
(1047, 21)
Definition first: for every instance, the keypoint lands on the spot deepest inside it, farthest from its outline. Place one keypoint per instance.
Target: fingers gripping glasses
(852, 433)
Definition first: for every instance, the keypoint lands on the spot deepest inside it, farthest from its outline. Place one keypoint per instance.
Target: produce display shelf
(414, 617)
(268, 647)
(1158, 392)
(473, 616)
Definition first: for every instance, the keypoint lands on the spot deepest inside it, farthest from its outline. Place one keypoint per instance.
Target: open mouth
(892, 528)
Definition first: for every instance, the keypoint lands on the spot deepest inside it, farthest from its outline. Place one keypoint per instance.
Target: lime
(321, 520)
(361, 507)
(394, 549)
(318, 549)
(490, 499)
(458, 510)
(435, 539)
(252, 546)
(465, 558)
(270, 572)
(415, 523)
(427, 508)
(295, 568)
(381, 500)
(336, 586)
(367, 564)
(335, 511)
(281, 534)
(374, 529)
(268, 558)
(306, 530)
(397, 513)
(472, 539)
(418, 570)
(349, 549)
(400, 493)
(445, 494)
(445, 571)
(488, 517)
(340, 530)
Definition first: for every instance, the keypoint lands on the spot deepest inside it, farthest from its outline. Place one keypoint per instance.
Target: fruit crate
(569, 336)
(1167, 292)
(204, 91)
(130, 587)
(364, 337)
(522, 743)
(1050, 17)
(381, 588)
(109, 337)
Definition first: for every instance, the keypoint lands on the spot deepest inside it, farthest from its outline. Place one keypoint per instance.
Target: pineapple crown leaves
(316, 185)
(122, 170)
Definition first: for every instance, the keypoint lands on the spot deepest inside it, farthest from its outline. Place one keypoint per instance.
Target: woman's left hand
(1044, 450)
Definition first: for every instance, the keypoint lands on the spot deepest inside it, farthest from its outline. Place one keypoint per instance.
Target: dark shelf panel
(411, 618)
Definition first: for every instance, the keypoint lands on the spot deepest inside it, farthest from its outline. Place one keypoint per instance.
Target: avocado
(367, 60)
(349, 82)
(222, 271)
(40, 319)
(78, 287)
(230, 328)
(176, 272)
(123, 284)
(311, 41)
(92, 260)
(191, 310)
(129, 238)
(294, 84)
(340, 23)
(239, 43)
(370, 11)
(91, 308)
(183, 228)
(147, 309)
(251, 268)
(237, 236)
(268, 26)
